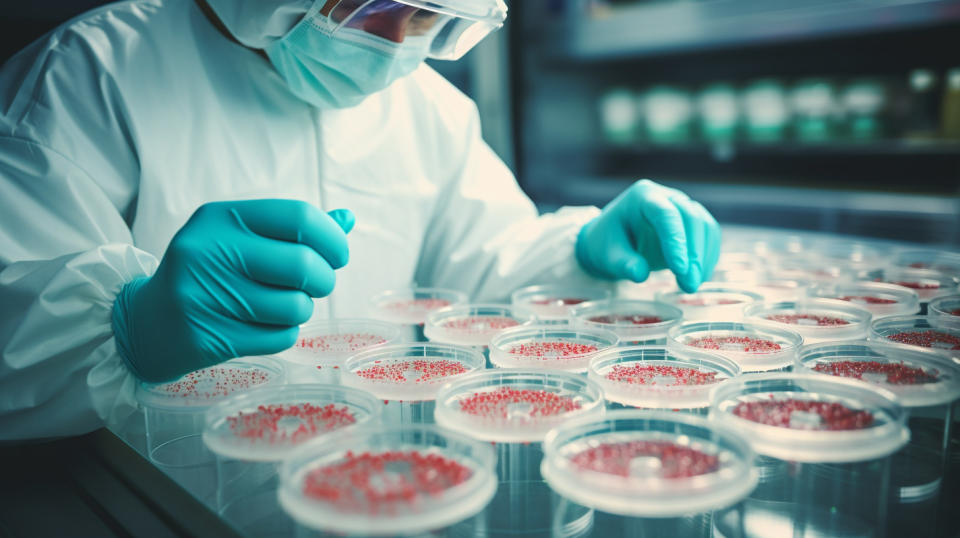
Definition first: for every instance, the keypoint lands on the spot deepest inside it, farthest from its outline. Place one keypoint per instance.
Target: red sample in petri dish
(505, 401)
(414, 370)
(660, 375)
(916, 285)
(896, 373)
(807, 319)
(635, 319)
(339, 343)
(866, 299)
(384, 482)
(707, 301)
(264, 424)
(552, 350)
(735, 343)
(417, 304)
(931, 339)
(804, 414)
(215, 383)
(481, 323)
(661, 459)
(564, 301)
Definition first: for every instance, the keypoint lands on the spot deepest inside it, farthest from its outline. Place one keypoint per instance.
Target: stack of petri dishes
(930, 332)
(881, 299)
(647, 473)
(407, 377)
(253, 432)
(514, 410)
(635, 322)
(323, 346)
(549, 347)
(552, 303)
(754, 347)
(714, 302)
(396, 481)
(925, 383)
(824, 445)
(174, 417)
(817, 320)
(409, 307)
(655, 377)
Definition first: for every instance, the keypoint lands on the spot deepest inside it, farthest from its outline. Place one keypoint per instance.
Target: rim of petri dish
(887, 329)
(436, 329)
(576, 346)
(873, 296)
(556, 297)
(788, 342)
(428, 367)
(628, 331)
(381, 334)
(855, 326)
(200, 389)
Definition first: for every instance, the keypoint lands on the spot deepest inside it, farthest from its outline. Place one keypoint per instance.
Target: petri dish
(657, 282)
(817, 320)
(930, 332)
(648, 464)
(752, 346)
(549, 347)
(515, 406)
(946, 307)
(852, 254)
(655, 377)
(712, 302)
(554, 301)
(881, 299)
(196, 391)
(633, 321)
(410, 306)
(267, 423)
(811, 270)
(928, 284)
(323, 346)
(473, 324)
(389, 481)
(943, 261)
(781, 289)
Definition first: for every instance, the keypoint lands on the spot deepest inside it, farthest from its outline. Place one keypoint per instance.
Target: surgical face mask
(340, 71)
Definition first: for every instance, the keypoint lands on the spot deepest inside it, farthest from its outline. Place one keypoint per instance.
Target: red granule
(565, 301)
(659, 458)
(735, 343)
(707, 301)
(265, 424)
(386, 483)
(552, 350)
(621, 319)
(955, 312)
(339, 343)
(415, 370)
(920, 265)
(918, 285)
(804, 415)
(808, 319)
(897, 373)
(661, 376)
(215, 382)
(417, 304)
(506, 402)
(866, 299)
(932, 339)
(481, 324)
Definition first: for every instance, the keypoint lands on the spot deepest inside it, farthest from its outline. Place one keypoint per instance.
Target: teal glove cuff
(121, 323)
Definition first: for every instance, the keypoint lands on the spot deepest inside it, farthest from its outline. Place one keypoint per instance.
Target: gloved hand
(650, 227)
(236, 280)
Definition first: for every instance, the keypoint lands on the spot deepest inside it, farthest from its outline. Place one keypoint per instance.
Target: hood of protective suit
(258, 23)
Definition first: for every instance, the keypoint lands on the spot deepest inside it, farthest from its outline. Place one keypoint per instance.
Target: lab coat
(116, 126)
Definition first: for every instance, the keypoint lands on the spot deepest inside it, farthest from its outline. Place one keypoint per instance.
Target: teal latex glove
(236, 280)
(650, 227)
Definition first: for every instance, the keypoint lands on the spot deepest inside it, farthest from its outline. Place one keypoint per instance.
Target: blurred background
(840, 116)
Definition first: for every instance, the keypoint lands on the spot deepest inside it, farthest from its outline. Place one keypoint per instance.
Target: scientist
(171, 173)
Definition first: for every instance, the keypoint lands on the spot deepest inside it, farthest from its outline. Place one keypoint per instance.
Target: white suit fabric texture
(116, 126)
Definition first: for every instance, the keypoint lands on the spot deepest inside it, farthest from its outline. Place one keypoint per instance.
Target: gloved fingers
(296, 221)
(289, 265)
(275, 306)
(344, 218)
(667, 221)
(696, 229)
(621, 259)
(250, 339)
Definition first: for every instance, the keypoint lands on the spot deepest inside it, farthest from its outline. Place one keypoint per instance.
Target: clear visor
(450, 28)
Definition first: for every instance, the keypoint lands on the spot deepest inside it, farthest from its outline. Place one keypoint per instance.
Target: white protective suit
(116, 126)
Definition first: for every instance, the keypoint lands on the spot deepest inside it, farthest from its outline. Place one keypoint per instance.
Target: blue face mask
(339, 72)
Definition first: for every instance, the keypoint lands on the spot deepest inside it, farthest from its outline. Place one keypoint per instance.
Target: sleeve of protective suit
(487, 238)
(67, 176)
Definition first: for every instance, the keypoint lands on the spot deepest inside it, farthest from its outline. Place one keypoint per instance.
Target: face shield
(452, 27)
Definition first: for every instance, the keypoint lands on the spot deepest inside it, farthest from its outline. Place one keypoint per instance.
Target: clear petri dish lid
(732, 261)
(754, 347)
(554, 301)
(631, 321)
(659, 281)
(811, 418)
(330, 342)
(815, 319)
(549, 347)
(943, 261)
(712, 301)
(811, 270)
(947, 307)
(473, 324)
(928, 284)
(267, 423)
(780, 289)
(409, 372)
(919, 378)
(196, 391)
(387, 481)
(648, 464)
(930, 332)
(410, 306)
(655, 377)
(849, 253)
(515, 406)
(880, 298)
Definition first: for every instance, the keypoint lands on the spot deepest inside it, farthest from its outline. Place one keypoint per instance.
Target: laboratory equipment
(322, 346)
(943, 261)
(754, 347)
(928, 283)
(712, 301)
(549, 347)
(817, 320)
(946, 307)
(473, 324)
(552, 303)
(881, 299)
(932, 332)
(775, 290)
(410, 306)
(635, 322)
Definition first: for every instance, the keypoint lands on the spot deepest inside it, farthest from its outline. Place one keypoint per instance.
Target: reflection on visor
(384, 18)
